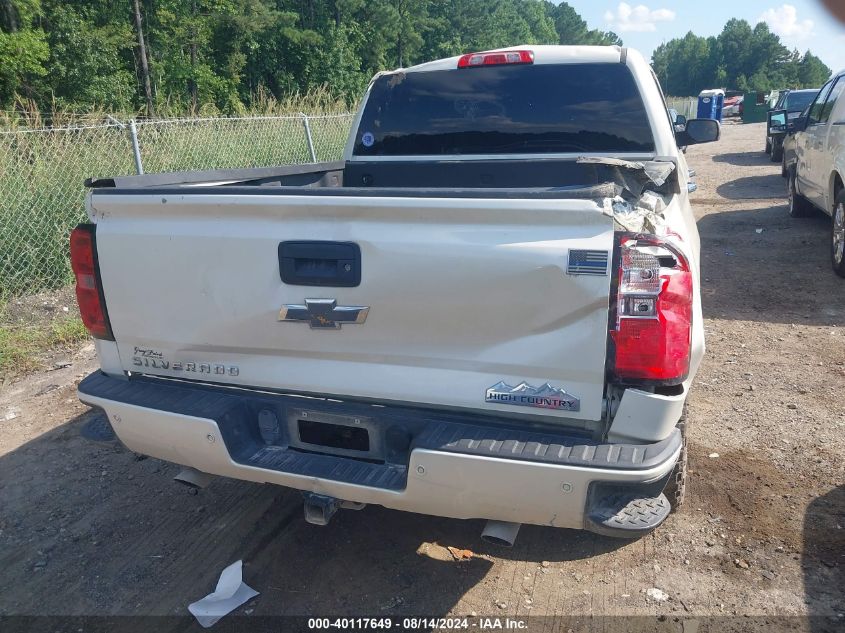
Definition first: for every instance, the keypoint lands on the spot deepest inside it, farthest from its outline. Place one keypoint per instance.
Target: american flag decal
(585, 262)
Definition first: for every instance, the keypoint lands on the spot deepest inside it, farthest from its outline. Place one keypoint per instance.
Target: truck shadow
(745, 159)
(93, 529)
(754, 188)
(823, 560)
(744, 490)
(762, 265)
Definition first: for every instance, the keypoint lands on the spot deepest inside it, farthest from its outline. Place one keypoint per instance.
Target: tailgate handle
(317, 263)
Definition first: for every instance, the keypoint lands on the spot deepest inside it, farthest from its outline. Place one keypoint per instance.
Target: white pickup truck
(489, 309)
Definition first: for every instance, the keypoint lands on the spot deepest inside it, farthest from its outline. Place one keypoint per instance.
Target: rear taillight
(650, 338)
(89, 293)
(498, 58)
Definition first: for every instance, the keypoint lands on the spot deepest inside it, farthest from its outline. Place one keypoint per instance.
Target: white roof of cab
(543, 54)
(712, 92)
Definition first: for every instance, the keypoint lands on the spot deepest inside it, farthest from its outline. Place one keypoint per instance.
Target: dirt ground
(90, 528)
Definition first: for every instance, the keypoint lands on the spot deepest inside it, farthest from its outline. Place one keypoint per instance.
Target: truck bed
(440, 178)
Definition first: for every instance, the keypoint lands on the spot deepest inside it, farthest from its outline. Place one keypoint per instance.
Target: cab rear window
(519, 109)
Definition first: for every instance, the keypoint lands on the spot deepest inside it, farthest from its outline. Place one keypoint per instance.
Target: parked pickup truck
(815, 162)
(489, 309)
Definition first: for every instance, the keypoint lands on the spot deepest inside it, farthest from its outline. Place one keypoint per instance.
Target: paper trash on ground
(231, 592)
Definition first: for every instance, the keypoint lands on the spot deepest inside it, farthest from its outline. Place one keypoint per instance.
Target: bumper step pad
(625, 515)
(349, 471)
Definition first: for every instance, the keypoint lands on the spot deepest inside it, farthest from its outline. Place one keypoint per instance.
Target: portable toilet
(710, 104)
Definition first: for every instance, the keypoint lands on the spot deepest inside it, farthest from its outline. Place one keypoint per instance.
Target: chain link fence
(687, 106)
(42, 174)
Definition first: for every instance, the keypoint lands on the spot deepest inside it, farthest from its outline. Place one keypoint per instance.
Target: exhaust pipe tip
(193, 478)
(501, 533)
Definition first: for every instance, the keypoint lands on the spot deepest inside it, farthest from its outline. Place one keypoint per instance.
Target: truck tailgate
(469, 299)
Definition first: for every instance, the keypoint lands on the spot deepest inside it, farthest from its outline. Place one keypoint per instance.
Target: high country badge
(524, 395)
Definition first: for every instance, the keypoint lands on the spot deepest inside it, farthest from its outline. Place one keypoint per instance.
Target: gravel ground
(92, 529)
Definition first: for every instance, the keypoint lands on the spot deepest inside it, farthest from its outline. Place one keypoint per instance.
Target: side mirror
(699, 131)
(776, 121)
(680, 123)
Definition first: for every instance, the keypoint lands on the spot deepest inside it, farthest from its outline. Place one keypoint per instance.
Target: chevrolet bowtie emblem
(323, 313)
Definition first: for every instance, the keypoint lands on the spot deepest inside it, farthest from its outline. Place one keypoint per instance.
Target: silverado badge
(323, 314)
(524, 395)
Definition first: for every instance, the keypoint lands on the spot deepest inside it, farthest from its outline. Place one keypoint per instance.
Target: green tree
(540, 27)
(740, 57)
(572, 29)
(768, 61)
(734, 42)
(812, 72)
(227, 55)
(460, 26)
(412, 23)
(90, 57)
(338, 63)
(23, 48)
(683, 65)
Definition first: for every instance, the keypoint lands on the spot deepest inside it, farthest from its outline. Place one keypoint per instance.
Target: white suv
(816, 172)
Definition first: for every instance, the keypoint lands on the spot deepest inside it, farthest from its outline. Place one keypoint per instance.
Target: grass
(22, 348)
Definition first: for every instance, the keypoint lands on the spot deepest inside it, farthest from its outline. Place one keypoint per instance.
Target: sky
(645, 24)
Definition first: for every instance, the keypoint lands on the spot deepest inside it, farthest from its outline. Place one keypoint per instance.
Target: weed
(22, 347)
